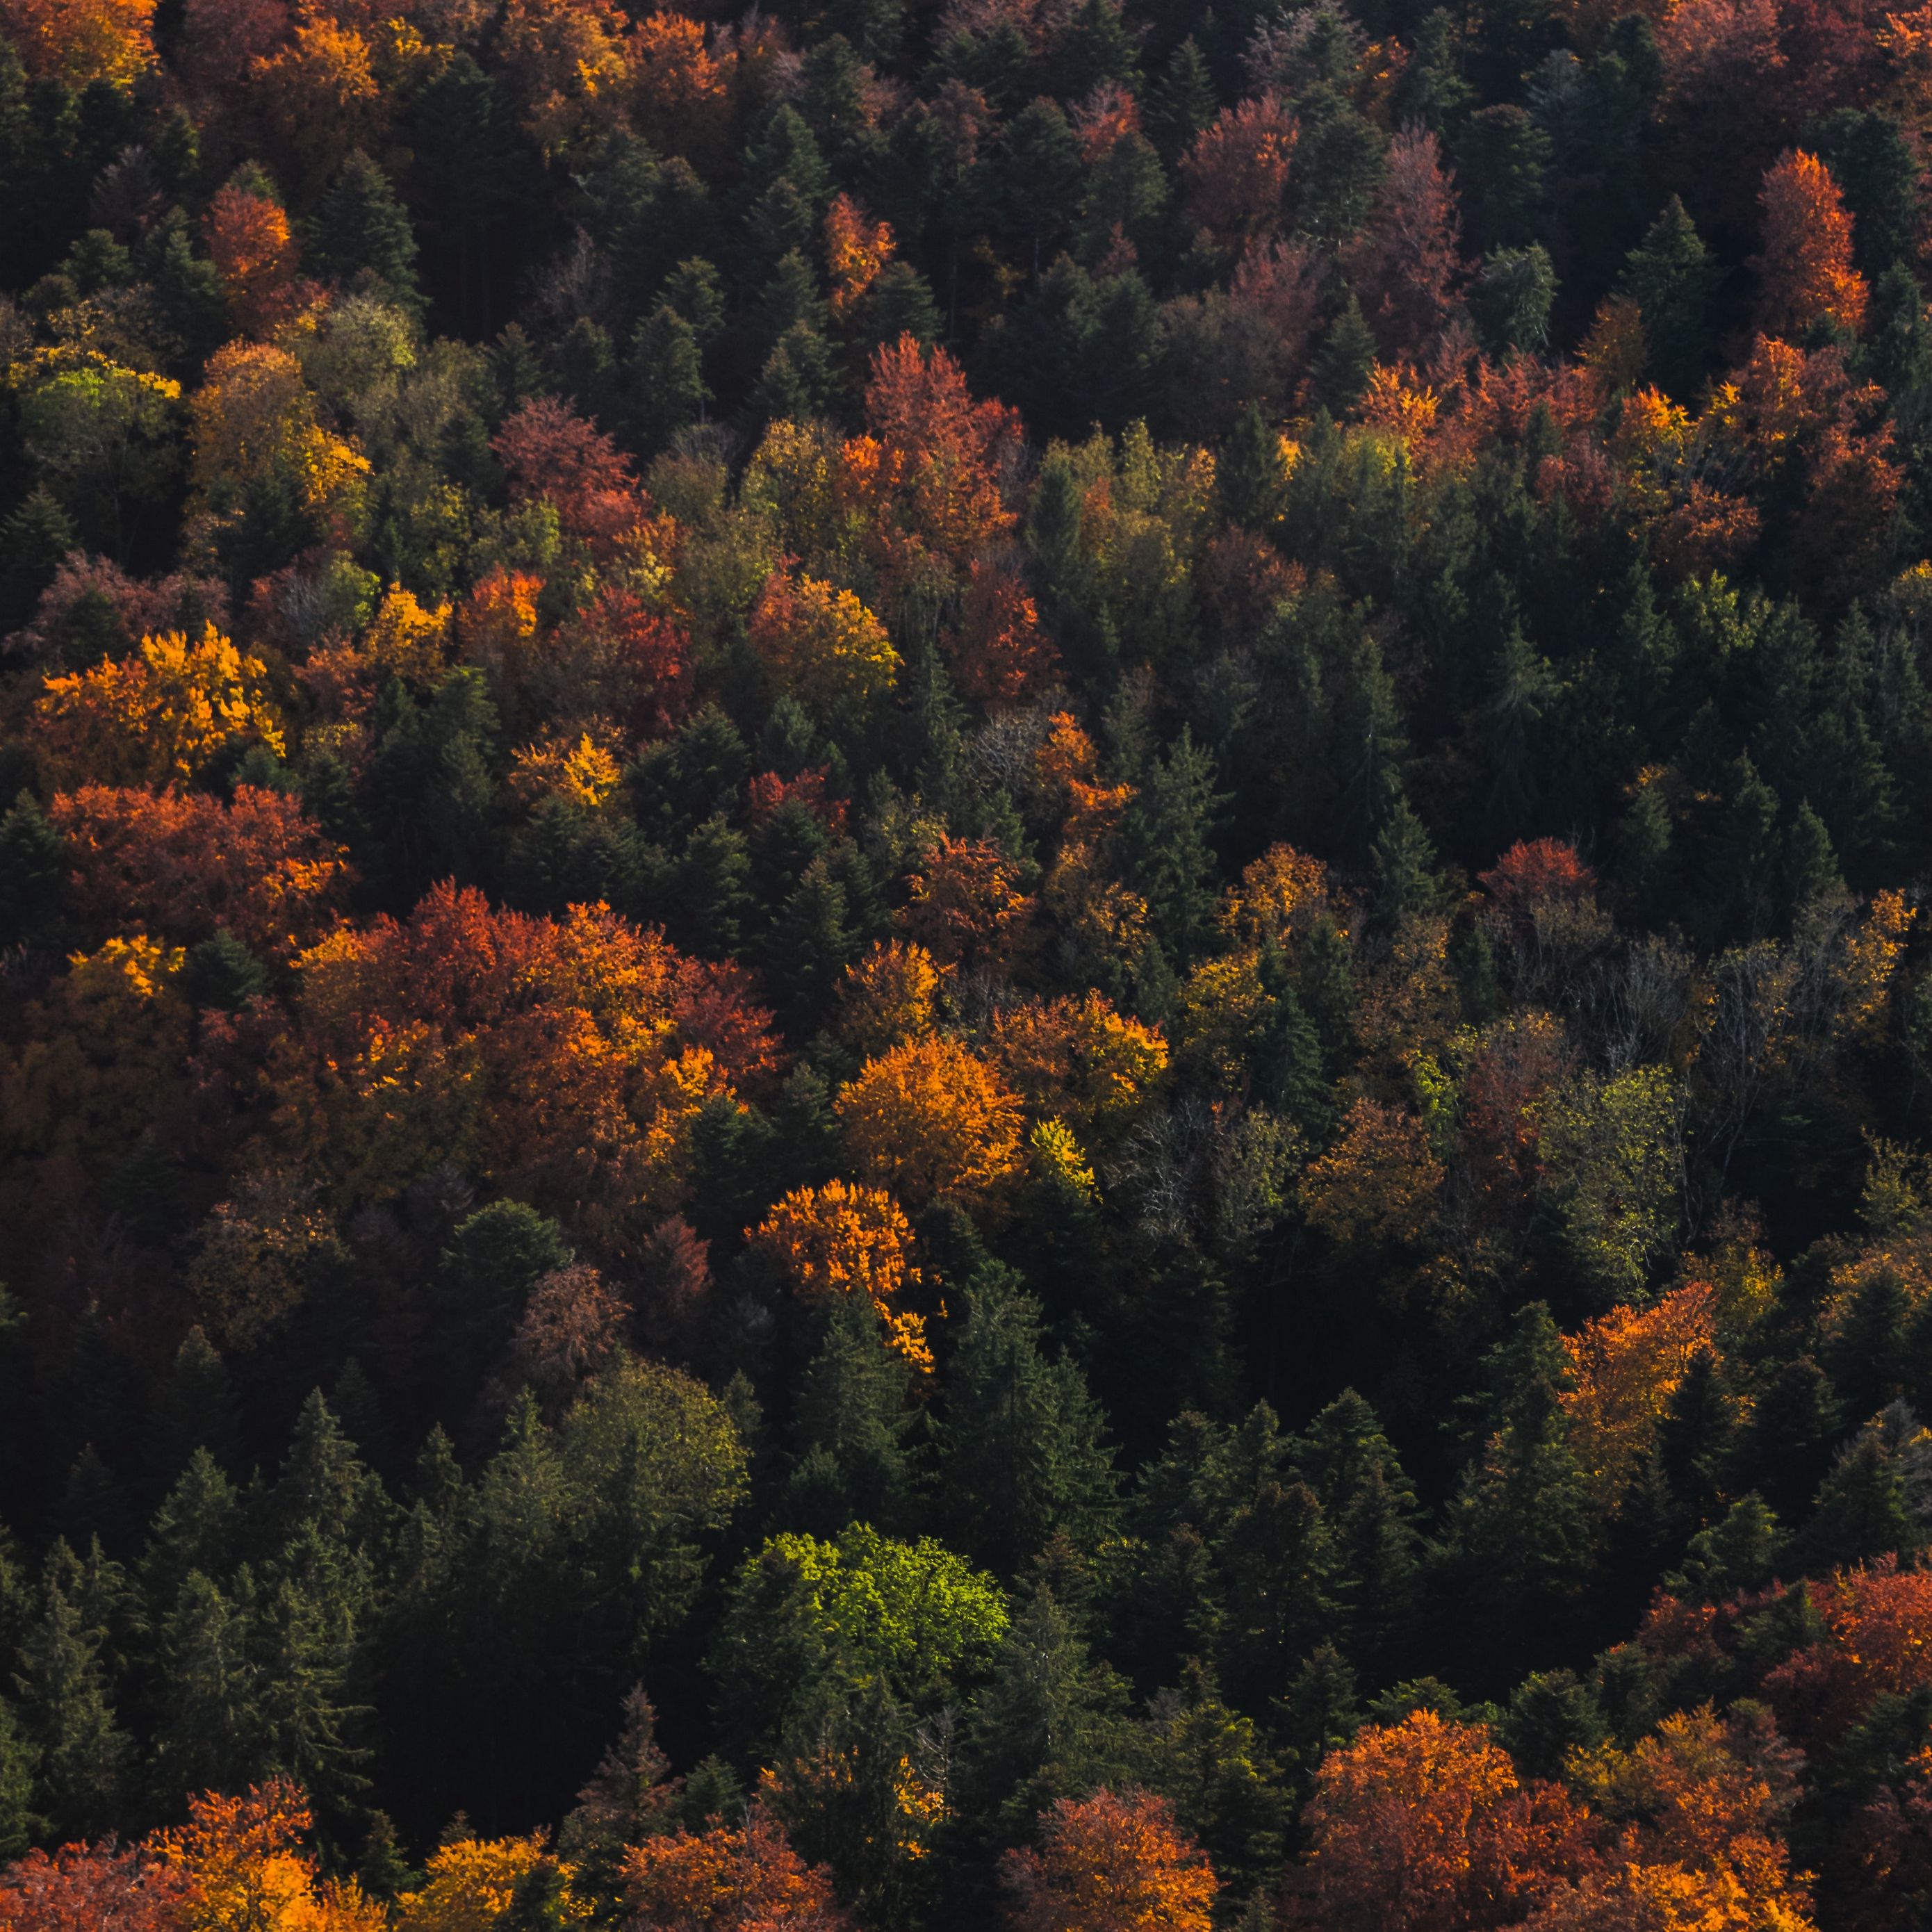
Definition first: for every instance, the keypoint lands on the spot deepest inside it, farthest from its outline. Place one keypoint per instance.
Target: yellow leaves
(1058, 1161)
(1627, 1365)
(471, 1885)
(929, 1120)
(406, 641)
(856, 250)
(1378, 1182)
(80, 41)
(1870, 958)
(1080, 1059)
(841, 1239)
(1615, 350)
(890, 995)
(583, 770)
(1281, 894)
(157, 716)
(1400, 406)
(819, 643)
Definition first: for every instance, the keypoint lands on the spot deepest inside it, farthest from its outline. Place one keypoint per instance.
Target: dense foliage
(962, 965)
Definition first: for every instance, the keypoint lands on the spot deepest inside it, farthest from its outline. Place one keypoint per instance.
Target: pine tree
(1290, 1067)
(852, 1423)
(1785, 1448)
(1182, 101)
(35, 535)
(1672, 278)
(1863, 1510)
(1551, 1714)
(809, 946)
(360, 227)
(33, 873)
(1047, 1724)
(67, 1712)
(208, 1732)
(1740, 1552)
(1348, 353)
(20, 1823)
(1404, 861)
(1519, 1540)
(631, 1795)
(1022, 1448)
(1168, 844)
(1249, 473)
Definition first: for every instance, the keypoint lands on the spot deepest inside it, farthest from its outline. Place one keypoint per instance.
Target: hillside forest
(963, 965)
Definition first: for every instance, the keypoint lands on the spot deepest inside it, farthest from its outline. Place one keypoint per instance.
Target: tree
(360, 228)
(1236, 173)
(820, 644)
(186, 866)
(930, 1120)
(1404, 264)
(836, 1242)
(1023, 1453)
(1671, 277)
(1805, 271)
(162, 715)
(807, 1623)
(730, 1879)
(1166, 841)
(1425, 1825)
(1112, 1863)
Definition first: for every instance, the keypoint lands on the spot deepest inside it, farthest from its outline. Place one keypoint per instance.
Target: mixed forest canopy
(963, 965)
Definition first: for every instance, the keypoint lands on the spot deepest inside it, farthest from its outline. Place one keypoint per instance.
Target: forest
(960, 966)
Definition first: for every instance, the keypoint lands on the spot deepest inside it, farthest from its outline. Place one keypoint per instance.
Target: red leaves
(1112, 1863)
(1236, 171)
(1807, 267)
(181, 864)
(549, 451)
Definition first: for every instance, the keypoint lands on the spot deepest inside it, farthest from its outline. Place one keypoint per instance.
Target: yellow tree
(157, 717)
(929, 1119)
(840, 1239)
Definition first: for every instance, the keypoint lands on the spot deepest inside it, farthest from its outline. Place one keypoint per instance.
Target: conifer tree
(1022, 1445)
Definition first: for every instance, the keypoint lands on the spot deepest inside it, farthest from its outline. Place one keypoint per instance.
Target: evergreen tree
(33, 873)
(1249, 473)
(1022, 1448)
(1348, 353)
(1518, 1546)
(1785, 1448)
(1168, 841)
(67, 1712)
(852, 1424)
(1182, 101)
(1404, 859)
(1672, 278)
(35, 535)
(360, 227)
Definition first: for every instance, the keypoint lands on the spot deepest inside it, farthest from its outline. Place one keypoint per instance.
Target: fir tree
(360, 227)
(1022, 1447)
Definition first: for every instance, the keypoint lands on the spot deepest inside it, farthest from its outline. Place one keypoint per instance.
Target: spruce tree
(1022, 1443)
(360, 227)
(33, 873)
(1167, 840)
(67, 1712)
(852, 1425)
(1342, 365)
(1672, 278)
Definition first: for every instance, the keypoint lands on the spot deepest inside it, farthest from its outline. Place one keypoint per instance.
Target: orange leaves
(1079, 1059)
(680, 95)
(934, 466)
(819, 643)
(998, 650)
(1110, 1863)
(1806, 268)
(967, 906)
(158, 715)
(567, 1058)
(723, 1880)
(839, 1240)
(1378, 1182)
(1879, 1642)
(1627, 1365)
(80, 41)
(856, 250)
(182, 865)
(255, 252)
(245, 1866)
(1281, 895)
(930, 1120)
(1236, 173)
(567, 61)
(549, 451)
(1424, 1826)
(890, 995)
